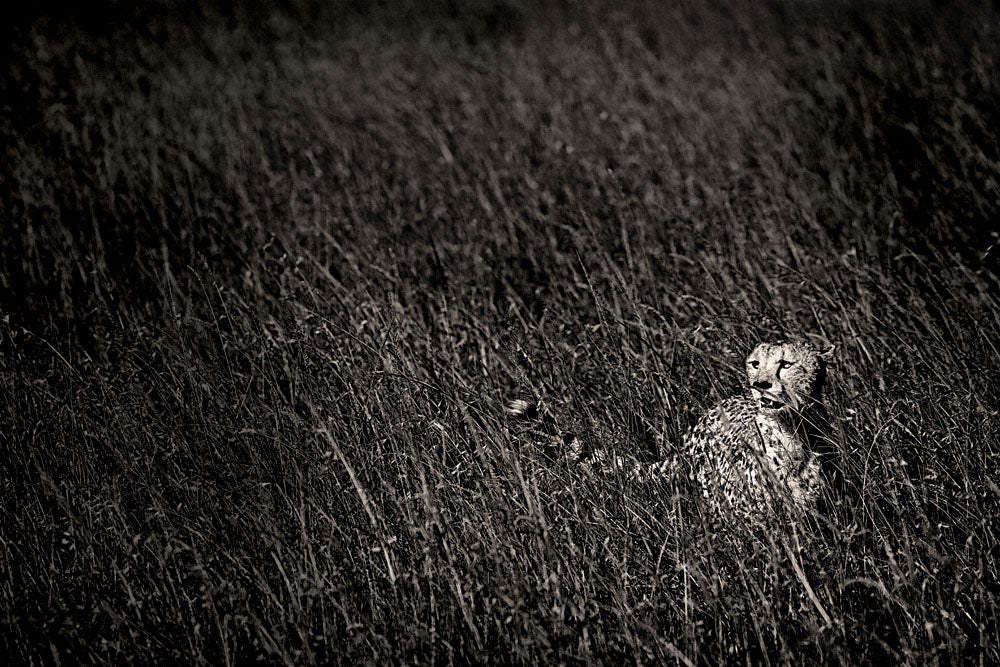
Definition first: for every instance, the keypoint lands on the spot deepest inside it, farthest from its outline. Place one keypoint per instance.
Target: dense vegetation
(267, 277)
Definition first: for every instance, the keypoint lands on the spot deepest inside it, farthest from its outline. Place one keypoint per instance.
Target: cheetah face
(784, 376)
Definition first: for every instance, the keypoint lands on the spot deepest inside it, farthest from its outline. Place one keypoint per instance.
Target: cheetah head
(785, 376)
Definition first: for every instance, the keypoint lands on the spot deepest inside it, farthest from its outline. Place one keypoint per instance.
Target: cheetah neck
(805, 424)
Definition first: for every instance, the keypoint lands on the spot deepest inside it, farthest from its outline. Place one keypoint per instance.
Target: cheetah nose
(762, 384)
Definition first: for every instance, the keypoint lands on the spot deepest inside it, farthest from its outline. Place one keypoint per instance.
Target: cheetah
(751, 453)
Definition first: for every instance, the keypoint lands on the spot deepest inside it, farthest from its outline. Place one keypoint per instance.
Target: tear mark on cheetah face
(784, 377)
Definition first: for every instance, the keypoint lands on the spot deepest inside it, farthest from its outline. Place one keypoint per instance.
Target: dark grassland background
(269, 275)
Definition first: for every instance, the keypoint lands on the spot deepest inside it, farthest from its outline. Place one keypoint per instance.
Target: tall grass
(268, 277)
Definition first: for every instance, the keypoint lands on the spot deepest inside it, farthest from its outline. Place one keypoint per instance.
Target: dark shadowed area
(268, 275)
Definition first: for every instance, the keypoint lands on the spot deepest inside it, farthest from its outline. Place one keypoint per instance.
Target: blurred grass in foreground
(267, 277)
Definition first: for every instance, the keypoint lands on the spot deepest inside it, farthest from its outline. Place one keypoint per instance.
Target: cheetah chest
(752, 460)
(785, 462)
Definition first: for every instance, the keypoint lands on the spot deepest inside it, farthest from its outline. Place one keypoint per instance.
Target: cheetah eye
(782, 365)
(754, 364)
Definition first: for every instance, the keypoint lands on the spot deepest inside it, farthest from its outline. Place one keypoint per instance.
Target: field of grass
(268, 276)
